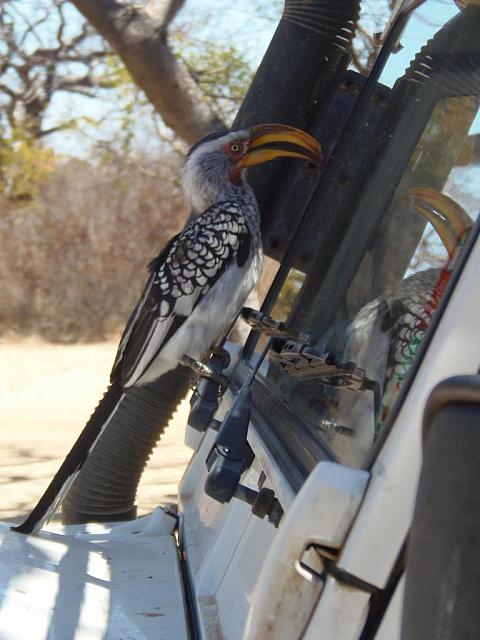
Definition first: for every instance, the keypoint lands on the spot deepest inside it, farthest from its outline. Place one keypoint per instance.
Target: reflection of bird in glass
(384, 335)
(198, 283)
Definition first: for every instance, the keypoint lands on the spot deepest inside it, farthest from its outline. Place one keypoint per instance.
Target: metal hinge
(296, 358)
(329, 559)
(295, 354)
(264, 323)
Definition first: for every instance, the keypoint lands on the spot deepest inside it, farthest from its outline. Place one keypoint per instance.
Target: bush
(73, 260)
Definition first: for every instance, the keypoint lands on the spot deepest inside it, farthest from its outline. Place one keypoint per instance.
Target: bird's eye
(234, 149)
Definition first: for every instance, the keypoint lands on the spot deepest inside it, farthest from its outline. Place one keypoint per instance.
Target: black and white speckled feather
(198, 284)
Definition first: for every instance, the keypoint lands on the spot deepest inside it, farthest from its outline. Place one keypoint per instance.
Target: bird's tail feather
(66, 474)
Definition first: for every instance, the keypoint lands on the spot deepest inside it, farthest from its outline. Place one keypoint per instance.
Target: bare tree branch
(29, 79)
(82, 84)
(31, 26)
(9, 91)
(138, 34)
(163, 12)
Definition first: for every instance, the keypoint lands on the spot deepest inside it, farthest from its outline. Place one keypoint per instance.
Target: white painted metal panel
(202, 517)
(340, 614)
(236, 590)
(390, 627)
(72, 586)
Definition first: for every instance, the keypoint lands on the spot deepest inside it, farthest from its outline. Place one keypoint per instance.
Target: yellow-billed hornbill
(384, 335)
(197, 284)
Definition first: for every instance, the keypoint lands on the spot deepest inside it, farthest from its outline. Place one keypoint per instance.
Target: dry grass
(72, 261)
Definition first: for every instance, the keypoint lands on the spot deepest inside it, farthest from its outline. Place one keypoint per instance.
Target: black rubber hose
(303, 65)
(443, 572)
(106, 486)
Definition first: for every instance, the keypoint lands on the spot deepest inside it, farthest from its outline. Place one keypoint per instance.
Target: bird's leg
(211, 385)
(223, 354)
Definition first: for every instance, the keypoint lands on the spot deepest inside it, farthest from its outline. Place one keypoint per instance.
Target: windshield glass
(393, 211)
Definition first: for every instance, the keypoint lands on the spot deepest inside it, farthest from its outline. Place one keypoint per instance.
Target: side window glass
(406, 233)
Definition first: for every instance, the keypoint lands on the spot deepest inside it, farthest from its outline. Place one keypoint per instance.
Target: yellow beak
(445, 215)
(270, 141)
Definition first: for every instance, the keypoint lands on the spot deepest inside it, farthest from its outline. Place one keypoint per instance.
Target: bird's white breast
(210, 319)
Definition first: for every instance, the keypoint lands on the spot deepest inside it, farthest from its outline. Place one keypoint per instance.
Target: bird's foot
(223, 354)
(203, 370)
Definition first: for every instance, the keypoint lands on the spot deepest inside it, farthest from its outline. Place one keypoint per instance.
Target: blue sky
(424, 23)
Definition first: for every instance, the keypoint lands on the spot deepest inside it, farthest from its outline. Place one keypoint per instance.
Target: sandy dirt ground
(47, 392)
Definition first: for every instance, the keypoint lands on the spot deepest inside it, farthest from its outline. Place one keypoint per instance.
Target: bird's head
(215, 166)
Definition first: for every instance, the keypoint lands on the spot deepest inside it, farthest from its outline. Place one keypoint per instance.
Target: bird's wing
(180, 276)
